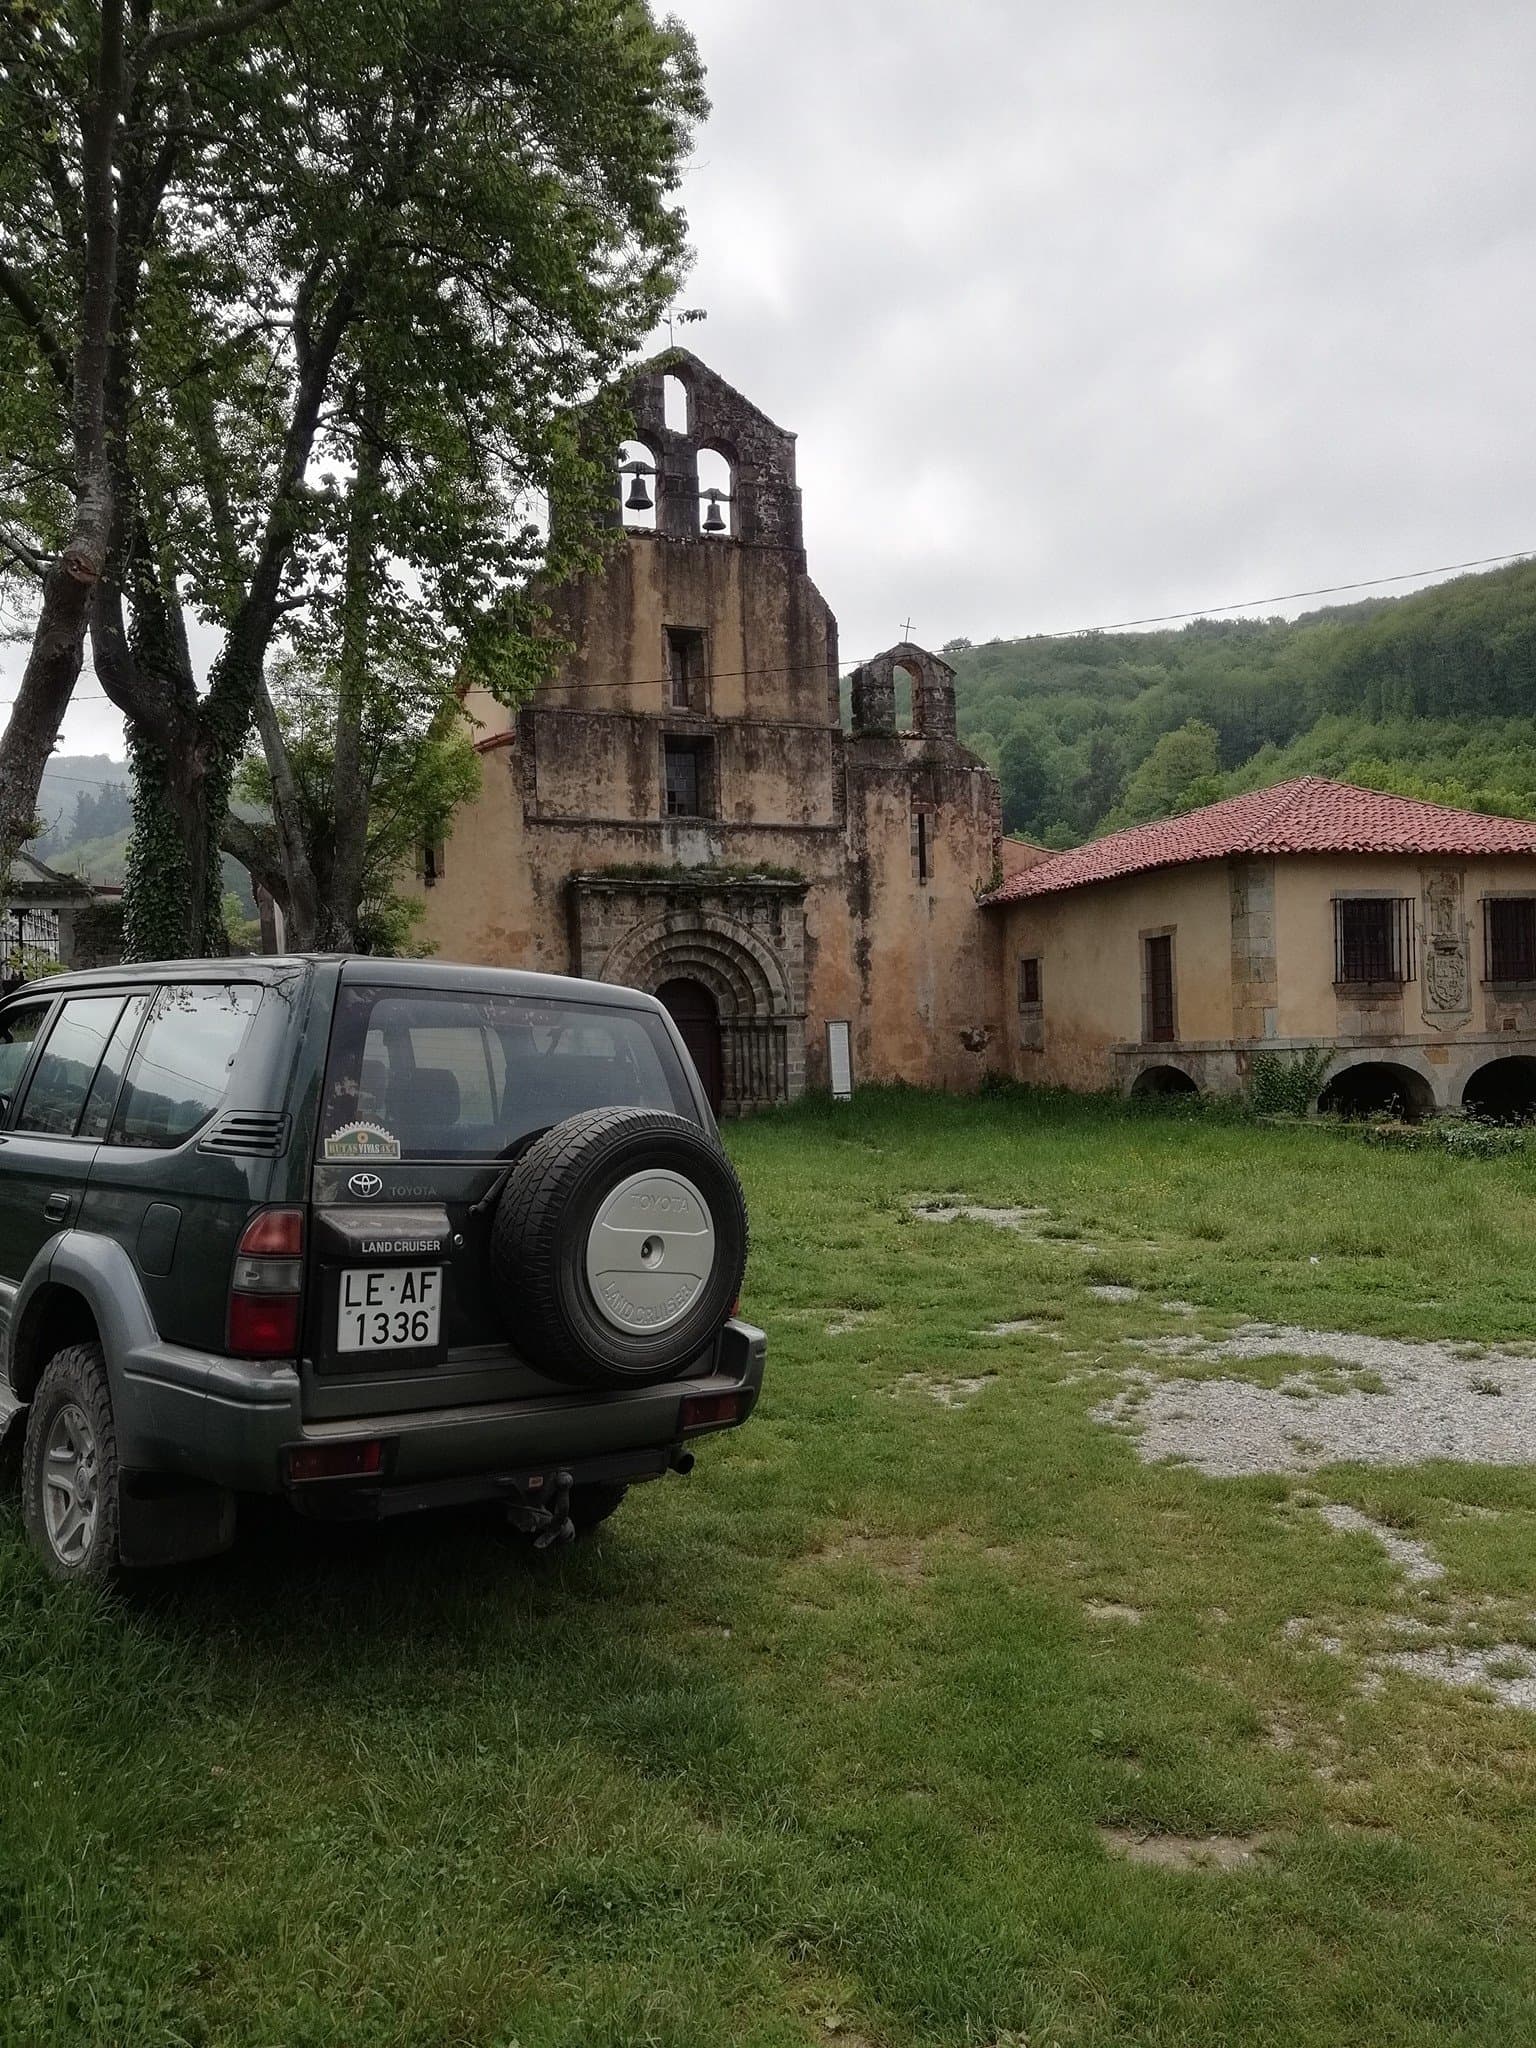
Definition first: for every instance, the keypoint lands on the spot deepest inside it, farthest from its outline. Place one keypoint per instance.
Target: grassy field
(819, 1746)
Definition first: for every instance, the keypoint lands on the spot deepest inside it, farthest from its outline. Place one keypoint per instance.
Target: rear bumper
(250, 1416)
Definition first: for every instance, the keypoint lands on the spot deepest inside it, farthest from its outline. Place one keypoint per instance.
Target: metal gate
(31, 946)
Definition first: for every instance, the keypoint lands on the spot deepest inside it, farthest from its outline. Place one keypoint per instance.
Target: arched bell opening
(907, 682)
(676, 405)
(637, 481)
(717, 495)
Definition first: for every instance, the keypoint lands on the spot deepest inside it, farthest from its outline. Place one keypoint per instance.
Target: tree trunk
(350, 792)
(58, 643)
(38, 712)
(173, 880)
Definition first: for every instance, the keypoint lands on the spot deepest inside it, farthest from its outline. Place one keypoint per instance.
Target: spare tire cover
(618, 1246)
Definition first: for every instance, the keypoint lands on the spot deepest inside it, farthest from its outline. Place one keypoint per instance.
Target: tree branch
(24, 557)
(35, 321)
(206, 30)
(255, 847)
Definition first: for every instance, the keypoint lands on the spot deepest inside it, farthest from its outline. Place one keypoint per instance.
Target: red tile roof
(1311, 815)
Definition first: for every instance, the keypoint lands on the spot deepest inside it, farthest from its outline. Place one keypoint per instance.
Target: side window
(18, 1033)
(63, 1075)
(109, 1075)
(180, 1070)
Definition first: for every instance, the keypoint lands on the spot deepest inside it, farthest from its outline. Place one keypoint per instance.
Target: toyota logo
(365, 1185)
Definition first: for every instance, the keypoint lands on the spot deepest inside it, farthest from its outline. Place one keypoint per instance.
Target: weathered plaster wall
(1311, 1008)
(1254, 968)
(575, 785)
(1089, 943)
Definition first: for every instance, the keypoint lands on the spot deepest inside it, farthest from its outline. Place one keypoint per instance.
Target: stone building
(1398, 935)
(682, 807)
(54, 920)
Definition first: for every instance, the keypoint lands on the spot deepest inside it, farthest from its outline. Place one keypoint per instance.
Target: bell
(714, 521)
(639, 499)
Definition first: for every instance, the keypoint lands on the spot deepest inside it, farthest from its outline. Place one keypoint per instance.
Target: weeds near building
(1287, 1083)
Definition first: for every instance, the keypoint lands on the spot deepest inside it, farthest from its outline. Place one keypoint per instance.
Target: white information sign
(840, 1058)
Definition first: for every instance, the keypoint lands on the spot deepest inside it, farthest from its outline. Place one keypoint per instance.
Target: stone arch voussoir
(744, 976)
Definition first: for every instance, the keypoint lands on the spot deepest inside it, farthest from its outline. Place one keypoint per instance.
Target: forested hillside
(84, 806)
(1433, 695)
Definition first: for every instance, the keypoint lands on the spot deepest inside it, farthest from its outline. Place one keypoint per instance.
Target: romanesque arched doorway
(738, 945)
(697, 1016)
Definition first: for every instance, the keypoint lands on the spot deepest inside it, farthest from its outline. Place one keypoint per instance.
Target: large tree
(100, 108)
(433, 227)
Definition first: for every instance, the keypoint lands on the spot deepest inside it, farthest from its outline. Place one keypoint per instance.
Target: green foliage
(699, 877)
(418, 765)
(1432, 695)
(1462, 1137)
(1024, 778)
(1287, 1083)
(447, 223)
(1179, 773)
(243, 933)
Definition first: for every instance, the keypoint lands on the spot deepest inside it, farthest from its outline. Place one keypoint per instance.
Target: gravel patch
(1104, 1292)
(1185, 1852)
(976, 1212)
(1023, 1328)
(1416, 1561)
(1432, 1403)
(1507, 1671)
(955, 1393)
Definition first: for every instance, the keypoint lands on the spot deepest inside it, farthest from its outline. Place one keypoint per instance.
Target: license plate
(389, 1308)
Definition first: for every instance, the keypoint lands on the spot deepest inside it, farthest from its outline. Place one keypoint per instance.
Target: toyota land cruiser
(377, 1235)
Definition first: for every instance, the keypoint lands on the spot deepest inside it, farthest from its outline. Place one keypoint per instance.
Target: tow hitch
(540, 1507)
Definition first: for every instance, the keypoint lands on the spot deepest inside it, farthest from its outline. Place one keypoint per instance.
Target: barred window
(1159, 1024)
(1509, 938)
(689, 776)
(1372, 939)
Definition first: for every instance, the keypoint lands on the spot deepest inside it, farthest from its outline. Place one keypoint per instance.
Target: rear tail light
(265, 1285)
(335, 1461)
(710, 1411)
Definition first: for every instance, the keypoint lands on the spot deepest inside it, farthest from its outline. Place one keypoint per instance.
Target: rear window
(472, 1076)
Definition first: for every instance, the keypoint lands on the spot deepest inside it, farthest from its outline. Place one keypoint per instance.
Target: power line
(1285, 597)
(1063, 633)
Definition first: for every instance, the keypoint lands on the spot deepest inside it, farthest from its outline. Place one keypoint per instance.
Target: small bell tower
(705, 464)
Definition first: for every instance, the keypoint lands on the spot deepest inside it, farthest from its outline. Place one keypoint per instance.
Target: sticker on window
(362, 1141)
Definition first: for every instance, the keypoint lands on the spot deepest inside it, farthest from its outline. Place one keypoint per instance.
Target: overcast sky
(1084, 313)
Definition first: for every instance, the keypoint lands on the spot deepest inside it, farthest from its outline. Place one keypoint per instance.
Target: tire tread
(81, 1369)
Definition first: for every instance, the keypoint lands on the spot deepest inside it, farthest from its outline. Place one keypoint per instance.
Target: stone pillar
(874, 698)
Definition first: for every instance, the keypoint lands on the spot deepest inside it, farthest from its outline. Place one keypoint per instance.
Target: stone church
(683, 807)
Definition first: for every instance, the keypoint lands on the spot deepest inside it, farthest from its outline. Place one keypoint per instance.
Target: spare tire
(618, 1246)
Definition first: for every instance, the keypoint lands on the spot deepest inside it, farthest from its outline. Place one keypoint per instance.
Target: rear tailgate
(429, 1098)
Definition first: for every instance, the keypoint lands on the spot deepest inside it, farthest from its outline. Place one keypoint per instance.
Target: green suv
(376, 1235)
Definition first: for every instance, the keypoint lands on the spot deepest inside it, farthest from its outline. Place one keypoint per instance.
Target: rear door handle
(57, 1207)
